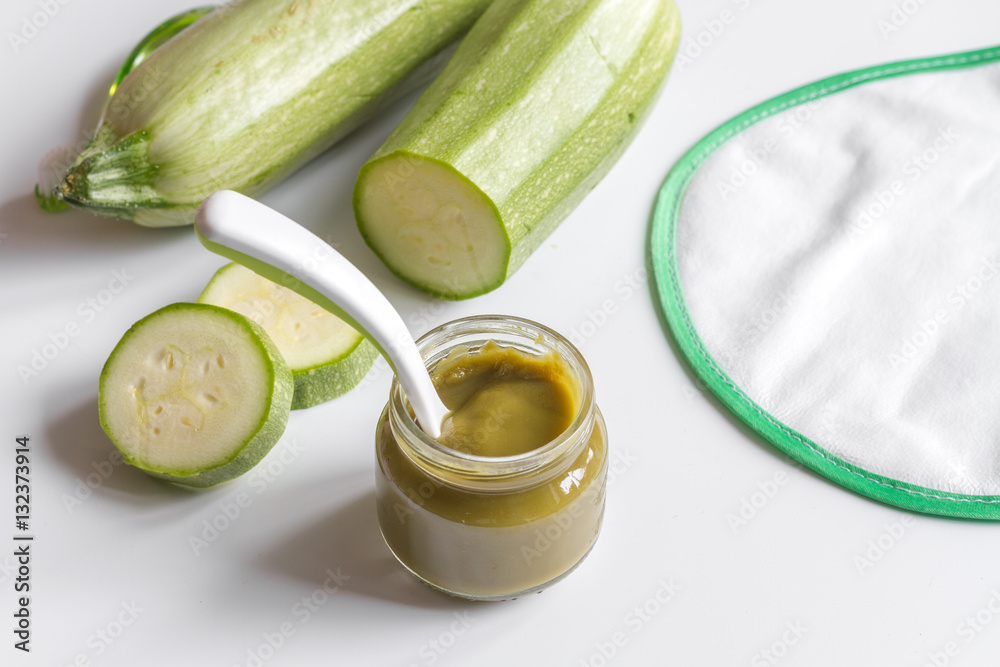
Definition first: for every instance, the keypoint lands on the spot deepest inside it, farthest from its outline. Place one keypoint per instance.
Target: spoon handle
(281, 250)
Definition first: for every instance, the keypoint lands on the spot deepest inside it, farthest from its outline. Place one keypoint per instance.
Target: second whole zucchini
(248, 94)
(534, 108)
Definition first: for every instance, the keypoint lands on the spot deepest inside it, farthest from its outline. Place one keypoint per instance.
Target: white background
(809, 558)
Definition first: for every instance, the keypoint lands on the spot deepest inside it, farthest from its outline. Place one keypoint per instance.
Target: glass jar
(491, 528)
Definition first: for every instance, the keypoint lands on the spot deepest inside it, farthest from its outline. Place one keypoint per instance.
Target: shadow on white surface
(77, 232)
(349, 537)
(79, 443)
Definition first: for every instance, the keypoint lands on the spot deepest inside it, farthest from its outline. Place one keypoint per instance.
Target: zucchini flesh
(536, 105)
(195, 394)
(326, 356)
(249, 93)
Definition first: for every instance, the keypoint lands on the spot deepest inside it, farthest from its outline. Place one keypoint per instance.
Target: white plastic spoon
(281, 250)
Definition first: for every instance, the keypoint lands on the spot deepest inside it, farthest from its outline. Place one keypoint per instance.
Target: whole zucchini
(533, 109)
(248, 94)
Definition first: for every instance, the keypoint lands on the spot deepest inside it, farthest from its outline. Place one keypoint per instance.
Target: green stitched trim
(664, 260)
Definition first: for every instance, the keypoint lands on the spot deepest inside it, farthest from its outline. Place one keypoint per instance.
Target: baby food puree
(503, 402)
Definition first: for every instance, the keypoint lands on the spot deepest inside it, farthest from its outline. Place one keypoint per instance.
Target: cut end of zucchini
(195, 393)
(326, 356)
(431, 226)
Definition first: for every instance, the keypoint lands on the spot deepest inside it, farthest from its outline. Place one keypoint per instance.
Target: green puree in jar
(511, 497)
(502, 401)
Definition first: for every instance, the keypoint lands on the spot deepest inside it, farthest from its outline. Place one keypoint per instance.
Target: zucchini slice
(326, 356)
(195, 394)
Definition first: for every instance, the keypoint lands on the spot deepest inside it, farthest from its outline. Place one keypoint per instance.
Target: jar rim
(435, 345)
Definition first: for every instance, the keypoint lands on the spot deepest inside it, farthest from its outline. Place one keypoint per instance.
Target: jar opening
(473, 333)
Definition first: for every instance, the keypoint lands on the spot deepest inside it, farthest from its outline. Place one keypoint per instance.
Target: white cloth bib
(829, 263)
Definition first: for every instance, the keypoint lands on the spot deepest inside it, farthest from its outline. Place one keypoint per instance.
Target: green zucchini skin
(323, 383)
(538, 102)
(251, 92)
